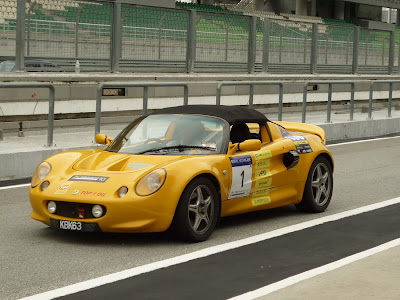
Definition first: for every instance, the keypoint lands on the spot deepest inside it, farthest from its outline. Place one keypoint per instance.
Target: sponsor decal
(264, 182)
(261, 192)
(262, 173)
(75, 192)
(301, 143)
(261, 164)
(242, 169)
(263, 154)
(63, 188)
(89, 193)
(261, 200)
(100, 179)
(138, 165)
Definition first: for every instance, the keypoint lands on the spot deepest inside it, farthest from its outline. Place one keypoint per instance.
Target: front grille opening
(72, 209)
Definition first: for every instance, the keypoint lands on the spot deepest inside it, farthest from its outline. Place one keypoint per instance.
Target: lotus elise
(183, 168)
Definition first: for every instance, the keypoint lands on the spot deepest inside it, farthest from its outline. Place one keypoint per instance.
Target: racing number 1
(241, 176)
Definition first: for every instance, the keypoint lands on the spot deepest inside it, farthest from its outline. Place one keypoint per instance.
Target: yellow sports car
(183, 168)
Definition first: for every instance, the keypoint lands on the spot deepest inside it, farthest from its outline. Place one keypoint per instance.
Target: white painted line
(363, 141)
(92, 283)
(14, 186)
(268, 289)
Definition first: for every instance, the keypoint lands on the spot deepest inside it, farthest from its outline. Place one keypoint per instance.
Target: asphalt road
(35, 258)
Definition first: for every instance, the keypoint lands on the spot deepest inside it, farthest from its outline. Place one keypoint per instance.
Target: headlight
(151, 183)
(40, 173)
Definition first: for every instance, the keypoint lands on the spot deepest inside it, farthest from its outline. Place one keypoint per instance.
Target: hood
(120, 162)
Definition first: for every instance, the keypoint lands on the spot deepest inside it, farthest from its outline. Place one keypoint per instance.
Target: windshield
(172, 135)
(7, 66)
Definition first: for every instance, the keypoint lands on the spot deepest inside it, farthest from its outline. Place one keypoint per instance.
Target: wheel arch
(328, 157)
(213, 180)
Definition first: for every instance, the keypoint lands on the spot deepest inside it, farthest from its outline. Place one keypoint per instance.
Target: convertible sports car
(183, 168)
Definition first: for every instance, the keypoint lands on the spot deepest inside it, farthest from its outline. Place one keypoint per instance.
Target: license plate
(70, 225)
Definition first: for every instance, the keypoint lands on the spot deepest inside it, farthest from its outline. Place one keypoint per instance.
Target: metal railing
(329, 104)
(371, 92)
(201, 41)
(251, 84)
(144, 85)
(50, 125)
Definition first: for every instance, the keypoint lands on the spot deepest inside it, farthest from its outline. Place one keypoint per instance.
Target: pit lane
(36, 259)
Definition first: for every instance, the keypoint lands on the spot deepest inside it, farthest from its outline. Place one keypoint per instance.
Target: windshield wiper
(179, 147)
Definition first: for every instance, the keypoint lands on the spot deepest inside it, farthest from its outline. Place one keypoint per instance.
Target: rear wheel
(198, 211)
(319, 186)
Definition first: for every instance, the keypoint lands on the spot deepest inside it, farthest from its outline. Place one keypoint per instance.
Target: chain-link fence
(152, 36)
(335, 45)
(222, 38)
(159, 39)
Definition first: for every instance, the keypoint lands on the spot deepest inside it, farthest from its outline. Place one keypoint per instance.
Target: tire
(319, 187)
(198, 211)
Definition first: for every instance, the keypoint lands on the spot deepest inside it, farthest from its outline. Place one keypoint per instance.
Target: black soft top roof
(232, 114)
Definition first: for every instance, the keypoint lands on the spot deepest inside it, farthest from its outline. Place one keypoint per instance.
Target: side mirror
(102, 139)
(250, 145)
(247, 145)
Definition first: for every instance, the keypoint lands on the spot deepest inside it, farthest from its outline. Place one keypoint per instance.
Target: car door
(260, 179)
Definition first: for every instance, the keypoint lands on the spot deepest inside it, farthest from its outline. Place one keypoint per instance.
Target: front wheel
(319, 187)
(198, 211)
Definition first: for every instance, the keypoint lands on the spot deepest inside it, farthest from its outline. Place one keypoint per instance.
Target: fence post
(356, 44)
(116, 36)
(391, 52)
(191, 42)
(265, 58)
(145, 99)
(314, 48)
(304, 105)
(252, 45)
(20, 36)
(398, 60)
(251, 96)
(390, 99)
(329, 109)
(352, 102)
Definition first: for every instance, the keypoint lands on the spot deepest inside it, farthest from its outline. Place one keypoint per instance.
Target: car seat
(239, 133)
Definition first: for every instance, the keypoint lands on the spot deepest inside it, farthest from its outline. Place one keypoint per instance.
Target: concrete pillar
(314, 8)
(339, 9)
(301, 7)
(398, 17)
(259, 4)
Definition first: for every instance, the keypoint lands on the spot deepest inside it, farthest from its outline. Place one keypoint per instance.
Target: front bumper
(153, 213)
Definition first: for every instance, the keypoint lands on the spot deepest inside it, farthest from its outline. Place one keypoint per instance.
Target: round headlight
(122, 191)
(151, 183)
(51, 207)
(97, 211)
(44, 185)
(40, 173)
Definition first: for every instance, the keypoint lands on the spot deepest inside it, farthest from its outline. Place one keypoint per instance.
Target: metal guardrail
(251, 93)
(371, 92)
(51, 88)
(144, 85)
(329, 105)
